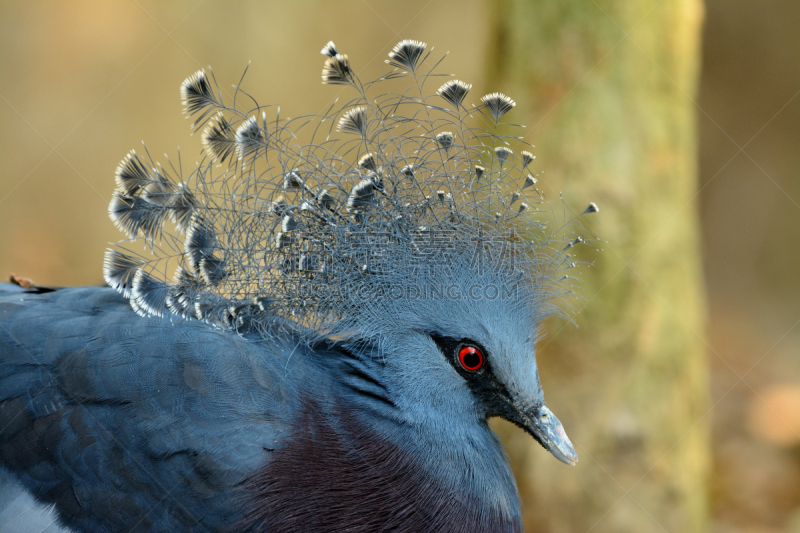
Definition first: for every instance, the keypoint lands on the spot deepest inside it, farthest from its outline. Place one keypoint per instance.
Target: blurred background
(681, 384)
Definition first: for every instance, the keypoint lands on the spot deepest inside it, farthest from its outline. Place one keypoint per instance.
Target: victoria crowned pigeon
(323, 316)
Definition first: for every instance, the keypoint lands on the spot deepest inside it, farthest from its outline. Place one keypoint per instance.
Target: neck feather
(338, 471)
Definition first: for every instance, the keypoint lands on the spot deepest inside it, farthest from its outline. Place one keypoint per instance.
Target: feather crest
(120, 269)
(407, 55)
(304, 228)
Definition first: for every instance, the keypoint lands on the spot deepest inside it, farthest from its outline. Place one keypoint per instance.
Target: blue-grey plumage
(325, 359)
(121, 420)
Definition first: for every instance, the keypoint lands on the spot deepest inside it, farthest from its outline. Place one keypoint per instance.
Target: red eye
(471, 358)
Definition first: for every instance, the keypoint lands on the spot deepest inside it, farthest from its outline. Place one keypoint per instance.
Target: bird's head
(460, 344)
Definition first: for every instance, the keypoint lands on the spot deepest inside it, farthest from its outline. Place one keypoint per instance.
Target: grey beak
(545, 428)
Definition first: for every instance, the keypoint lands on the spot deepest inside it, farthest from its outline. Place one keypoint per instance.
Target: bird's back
(130, 422)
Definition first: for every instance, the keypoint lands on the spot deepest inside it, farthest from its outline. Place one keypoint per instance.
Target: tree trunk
(607, 90)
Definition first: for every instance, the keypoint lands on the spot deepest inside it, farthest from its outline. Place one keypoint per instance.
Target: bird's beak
(543, 425)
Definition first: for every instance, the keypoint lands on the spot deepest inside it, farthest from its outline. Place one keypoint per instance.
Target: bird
(309, 331)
